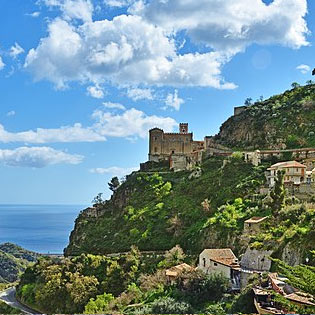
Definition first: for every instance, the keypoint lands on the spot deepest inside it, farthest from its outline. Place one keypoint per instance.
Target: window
(155, 149)
(215, 264)
(155, 138)
(204, 262)
(173, 151)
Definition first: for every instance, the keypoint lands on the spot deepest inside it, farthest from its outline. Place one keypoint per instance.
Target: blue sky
(83, 81)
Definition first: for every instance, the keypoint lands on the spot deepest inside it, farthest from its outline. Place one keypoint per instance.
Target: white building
(221, 261)
(294, 173)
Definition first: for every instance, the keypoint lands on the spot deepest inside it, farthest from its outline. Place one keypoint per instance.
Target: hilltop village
(224, 225)
(180, 152)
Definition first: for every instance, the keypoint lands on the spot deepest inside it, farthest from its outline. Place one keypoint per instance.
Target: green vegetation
(294, 224)
(129, 284)
(13, 261)
(157, 211)
(287, 118)
(6, 309)
(301, 276)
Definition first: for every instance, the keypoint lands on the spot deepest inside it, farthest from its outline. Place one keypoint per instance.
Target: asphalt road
(8, 296)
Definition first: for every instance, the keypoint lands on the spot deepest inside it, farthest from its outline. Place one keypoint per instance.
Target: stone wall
(254, 259)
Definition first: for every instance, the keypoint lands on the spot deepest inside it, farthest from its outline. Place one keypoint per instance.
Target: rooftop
(174, 271)
(286, 164)
(256, 219)
(223, 256)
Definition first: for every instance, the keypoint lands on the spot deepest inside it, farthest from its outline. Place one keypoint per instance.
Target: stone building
(179, 149)
(221, 261)
(253, 225)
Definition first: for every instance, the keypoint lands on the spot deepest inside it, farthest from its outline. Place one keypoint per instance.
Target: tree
(278, 192)
(310, 82)
(99, 304)
(294, 85)
(98, 200)
(248, 101)
(174, 256)
(114, 184)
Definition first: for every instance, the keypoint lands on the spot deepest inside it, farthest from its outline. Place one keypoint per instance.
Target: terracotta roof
(300, 298)
(256, 219)
(223, 256)
(286, 164)
(174, 271)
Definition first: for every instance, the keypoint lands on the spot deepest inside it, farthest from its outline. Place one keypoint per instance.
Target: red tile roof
(223, 256)
(287, 164)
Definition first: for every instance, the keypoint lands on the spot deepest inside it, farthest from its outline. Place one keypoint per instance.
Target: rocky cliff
(282, 121)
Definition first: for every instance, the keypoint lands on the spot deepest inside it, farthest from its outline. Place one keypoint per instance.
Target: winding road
(8, 296)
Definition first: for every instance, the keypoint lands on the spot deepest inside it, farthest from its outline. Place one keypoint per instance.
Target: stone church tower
(163, 146)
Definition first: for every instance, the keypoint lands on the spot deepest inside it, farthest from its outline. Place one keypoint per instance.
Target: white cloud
(37, 157)
(73, 9)
(303, 68)
(116, 3)
(33, 14)
(137, 94)
(16, 50)
(10, 113)
(2, 64)
(126, 51)
(111, 105)
(173, 100)
(232, 25)
(75, 133)
(131, 123)
(114, 170)
(95, 91)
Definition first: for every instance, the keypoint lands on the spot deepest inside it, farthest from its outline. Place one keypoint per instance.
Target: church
(179, 149)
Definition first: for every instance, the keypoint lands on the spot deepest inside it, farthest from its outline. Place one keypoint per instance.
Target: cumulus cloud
(232, 25)
(111, 105)
(75, 133)
(174, 101)
(10, 113)
(73, 9)
(114, 170)
(303, 68)
(37, 157)
(125, 51)
(2, 64)
(16, 50)
(95, 91)
(137, 94)
(131, 123)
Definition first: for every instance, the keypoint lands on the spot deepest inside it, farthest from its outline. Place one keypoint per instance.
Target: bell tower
(183, 128)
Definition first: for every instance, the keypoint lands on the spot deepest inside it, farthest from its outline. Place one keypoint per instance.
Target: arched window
(155, 149)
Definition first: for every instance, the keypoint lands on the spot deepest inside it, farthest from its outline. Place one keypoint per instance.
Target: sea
(40, 228)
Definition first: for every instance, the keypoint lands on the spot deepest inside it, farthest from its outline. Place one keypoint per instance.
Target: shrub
(167, 305)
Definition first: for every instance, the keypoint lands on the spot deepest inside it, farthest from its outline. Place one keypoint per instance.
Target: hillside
(157, 211)
(13, 261)
(282, 121)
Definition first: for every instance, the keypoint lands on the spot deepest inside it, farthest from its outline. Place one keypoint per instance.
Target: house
(221, 261)
(252, 225)
(264, 303)
(173, 272)
(280, 285)
(294, 173)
